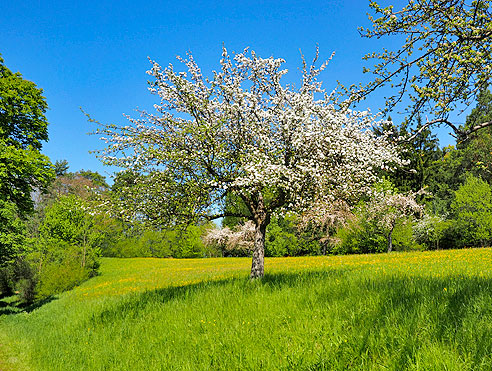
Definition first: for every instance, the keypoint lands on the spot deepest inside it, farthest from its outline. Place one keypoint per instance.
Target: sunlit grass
(422, 311)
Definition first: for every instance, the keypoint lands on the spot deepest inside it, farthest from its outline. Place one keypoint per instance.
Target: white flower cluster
(242, 237)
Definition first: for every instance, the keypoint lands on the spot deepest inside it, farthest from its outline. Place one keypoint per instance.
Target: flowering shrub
(238, 241)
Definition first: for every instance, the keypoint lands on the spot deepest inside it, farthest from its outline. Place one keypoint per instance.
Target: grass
(415, 311)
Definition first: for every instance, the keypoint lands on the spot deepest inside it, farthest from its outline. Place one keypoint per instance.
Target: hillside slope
(423, 311)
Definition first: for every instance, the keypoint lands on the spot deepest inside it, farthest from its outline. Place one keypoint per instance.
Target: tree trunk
(390, 240)
(260, 215)
(258, 263)
(84, 250)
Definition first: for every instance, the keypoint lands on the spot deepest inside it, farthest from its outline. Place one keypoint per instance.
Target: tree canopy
(23, 168)
(22, 109)
(473, 211)
(23, 128)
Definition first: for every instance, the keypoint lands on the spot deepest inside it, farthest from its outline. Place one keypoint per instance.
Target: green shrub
(19, 277)
(403, 237)
(279, 241)
(127, 247)
(26, 290)
(62, 272)
(472, 208)
(284, 239)
(188, 243)
(359, 237)
(179, 243)
(153, 244)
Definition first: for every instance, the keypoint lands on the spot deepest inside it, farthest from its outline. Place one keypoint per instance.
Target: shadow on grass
(444, 310)
(400, 314)
(9, 307)
(135, 304)
(30, 307)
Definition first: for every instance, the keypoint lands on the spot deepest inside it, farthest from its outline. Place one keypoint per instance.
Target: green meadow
(399, 311)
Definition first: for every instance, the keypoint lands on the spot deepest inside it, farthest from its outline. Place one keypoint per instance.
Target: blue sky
(93, 54)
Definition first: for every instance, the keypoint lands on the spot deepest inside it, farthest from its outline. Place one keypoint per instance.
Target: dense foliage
(12, 235)
(23, 128)
(23, 170)
(472, 209)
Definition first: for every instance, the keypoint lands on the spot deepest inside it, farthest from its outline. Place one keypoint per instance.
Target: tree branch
(460, 134)
(225, 214)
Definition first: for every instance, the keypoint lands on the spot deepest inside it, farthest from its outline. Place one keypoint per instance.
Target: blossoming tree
(387, 208)
(277, 147)
(241, 238)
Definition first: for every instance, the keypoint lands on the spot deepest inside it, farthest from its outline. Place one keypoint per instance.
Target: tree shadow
(15, 306)
(449, 315)
(38, 304)
(7, 308)
(136, 303)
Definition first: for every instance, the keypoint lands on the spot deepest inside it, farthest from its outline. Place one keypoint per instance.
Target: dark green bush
(284, 239)
(62, 271)
(26, 290)
(19, 278)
